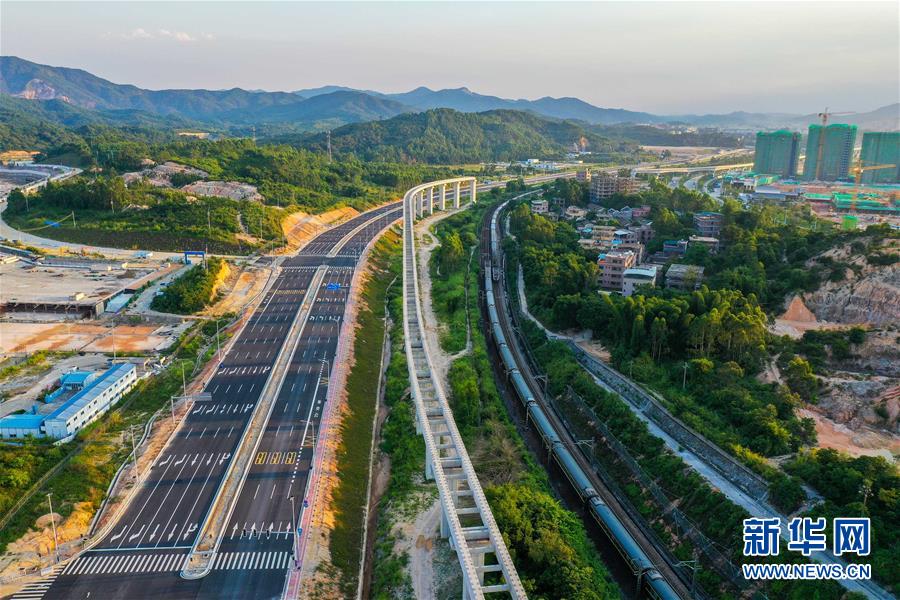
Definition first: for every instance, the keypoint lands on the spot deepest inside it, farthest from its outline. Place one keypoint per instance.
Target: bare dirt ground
(433, 328)
(26, 390)
(82, 336)
(241, 286)
(856, 442)
(300, 227)
(798, 319)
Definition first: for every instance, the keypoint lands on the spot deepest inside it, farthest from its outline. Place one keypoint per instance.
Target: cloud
(142, 34)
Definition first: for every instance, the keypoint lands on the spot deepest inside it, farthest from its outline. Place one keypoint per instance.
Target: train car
(521, 387)
(620, 536)
(658, 587)
(543, 424)
(498, 332)
(574, 472)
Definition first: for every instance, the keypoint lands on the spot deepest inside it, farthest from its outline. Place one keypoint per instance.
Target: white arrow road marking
(225, 456)
(194, 462)
(233, 530)
(183, 458)
(189, 531)
(172, 533)
(118, 535)
(152, 535)
(165, 462)
(134, 535)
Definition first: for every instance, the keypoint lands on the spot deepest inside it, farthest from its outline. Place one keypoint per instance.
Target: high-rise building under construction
(881, 148)
(829, 152)
(777, 153)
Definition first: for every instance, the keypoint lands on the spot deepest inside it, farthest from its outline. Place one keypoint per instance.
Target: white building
(96, 397)
(637, 276)
(540, 206)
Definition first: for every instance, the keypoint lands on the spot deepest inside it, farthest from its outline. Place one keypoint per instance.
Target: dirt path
(427, 242)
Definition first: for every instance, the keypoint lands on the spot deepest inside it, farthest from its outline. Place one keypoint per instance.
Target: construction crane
(825, 114)
(858, 169)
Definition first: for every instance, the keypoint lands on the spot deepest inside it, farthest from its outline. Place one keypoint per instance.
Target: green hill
(444, 136)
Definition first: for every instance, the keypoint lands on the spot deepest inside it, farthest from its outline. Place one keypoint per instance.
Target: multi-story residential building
(684, 277)
(711, 243)
(777, 153)
(583, 175)
(606, 185)
(708, 224)
(637, 276)
(640, 212)
(672, 248)
(880, 148)
(643, 231)
(612, 266)
(829, 152)
(540, 206)
(575, 212)
(627, 240)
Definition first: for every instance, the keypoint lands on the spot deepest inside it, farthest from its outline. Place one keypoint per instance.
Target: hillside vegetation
(107, 213)
(193, 291)
(444, 136)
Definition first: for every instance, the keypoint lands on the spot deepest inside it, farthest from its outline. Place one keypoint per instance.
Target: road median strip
(207, 542)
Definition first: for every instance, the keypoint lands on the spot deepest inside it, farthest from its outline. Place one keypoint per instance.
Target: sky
(661, 57)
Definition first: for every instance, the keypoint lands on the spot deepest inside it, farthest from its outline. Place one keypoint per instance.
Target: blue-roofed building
(76, 380)
(96, 396)
(20, 426)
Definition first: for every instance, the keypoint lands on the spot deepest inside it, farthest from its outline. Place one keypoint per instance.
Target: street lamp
(294, 532)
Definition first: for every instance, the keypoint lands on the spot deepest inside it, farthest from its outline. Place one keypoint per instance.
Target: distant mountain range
(331, 106)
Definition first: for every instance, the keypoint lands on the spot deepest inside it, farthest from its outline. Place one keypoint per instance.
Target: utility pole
(183, 381)
(53, 523)
(328, 136)
(684, 377)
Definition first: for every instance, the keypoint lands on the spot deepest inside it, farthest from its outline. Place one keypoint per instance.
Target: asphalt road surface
(142, 555)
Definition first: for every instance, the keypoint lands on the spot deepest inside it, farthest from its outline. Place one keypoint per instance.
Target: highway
(142, 555)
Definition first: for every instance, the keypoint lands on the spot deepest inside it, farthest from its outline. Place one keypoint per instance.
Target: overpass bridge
(466, 518)
(704, 169)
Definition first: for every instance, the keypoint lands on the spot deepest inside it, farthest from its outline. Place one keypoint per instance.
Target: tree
(801, 380)
(451, 252)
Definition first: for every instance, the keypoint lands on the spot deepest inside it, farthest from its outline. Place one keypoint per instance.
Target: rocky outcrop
(38, 89)
(873, 298)
(868, 294)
